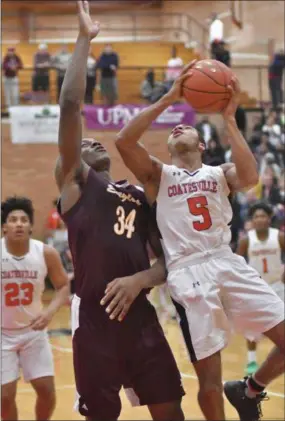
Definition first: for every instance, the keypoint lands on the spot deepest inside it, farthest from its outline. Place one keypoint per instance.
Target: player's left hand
(119, 295)
(41, 320)
(234, 89)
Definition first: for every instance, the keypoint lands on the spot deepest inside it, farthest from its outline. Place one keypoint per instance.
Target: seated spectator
(273, 129)
(42, 63)
(214, 154)
(270, 191)
(148, 85)
(12, 63)
(208, 130)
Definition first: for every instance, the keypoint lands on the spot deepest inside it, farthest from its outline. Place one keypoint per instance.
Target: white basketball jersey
(265, 256)
(22, 284)
(193, 211)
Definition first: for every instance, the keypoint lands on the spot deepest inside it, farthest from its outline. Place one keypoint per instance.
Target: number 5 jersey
(193, 211)
(22, 284)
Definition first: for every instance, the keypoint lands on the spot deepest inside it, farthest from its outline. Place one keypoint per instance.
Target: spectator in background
(269, 161)
(273, 130)
(59, 238)
(42, 63)
(60, 62)
(148, 85)
(108, 63)
(214, 154)
(222, 53)
(11, 66)
(275, 76)
(216, 33)
(67, 263)
(174, 67)
(241, 120)
(270, 190)
(52, 222)
(91, 78)
(208, 130)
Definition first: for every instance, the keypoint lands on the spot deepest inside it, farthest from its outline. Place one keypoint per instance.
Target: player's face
(184, 139)
(95, 155)
(261, 220)
(18, 226)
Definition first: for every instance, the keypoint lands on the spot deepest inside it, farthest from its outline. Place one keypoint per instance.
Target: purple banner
(114, 118)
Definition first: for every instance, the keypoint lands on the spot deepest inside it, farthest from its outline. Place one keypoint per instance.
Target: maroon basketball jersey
(107, 233)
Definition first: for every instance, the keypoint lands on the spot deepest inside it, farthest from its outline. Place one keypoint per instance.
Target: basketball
(207, 89)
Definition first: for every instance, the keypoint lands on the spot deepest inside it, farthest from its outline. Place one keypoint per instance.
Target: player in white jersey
(213, 288)
(25, 264)
(263, 249)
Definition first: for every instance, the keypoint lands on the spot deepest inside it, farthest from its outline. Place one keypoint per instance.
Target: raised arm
(242, 174)
(134, 155)
(71, 97)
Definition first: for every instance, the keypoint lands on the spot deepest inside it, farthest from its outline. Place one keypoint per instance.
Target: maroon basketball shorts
(144, 365)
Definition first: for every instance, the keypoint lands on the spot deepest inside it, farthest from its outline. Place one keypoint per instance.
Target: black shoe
(248, 409)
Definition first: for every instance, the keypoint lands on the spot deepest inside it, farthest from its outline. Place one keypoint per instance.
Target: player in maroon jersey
(109, 225)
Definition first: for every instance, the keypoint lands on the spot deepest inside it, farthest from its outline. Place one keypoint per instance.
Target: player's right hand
(119, 296)
(175, 92)
(87, 27)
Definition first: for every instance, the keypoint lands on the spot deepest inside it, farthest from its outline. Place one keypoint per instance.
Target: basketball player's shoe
(251, 368)
(249, 409)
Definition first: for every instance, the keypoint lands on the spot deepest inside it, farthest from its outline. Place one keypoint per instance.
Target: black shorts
(41, 83)
(147, 370)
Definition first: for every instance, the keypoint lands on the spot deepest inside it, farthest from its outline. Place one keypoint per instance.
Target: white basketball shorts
(26, 350)
(216, 292)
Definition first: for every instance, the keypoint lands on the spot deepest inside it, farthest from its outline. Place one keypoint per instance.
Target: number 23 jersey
(193, 211)
(22, 285)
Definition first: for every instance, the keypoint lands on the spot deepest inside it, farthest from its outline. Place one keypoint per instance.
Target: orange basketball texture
(207, 89)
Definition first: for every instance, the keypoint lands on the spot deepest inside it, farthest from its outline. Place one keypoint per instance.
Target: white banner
(34, 124)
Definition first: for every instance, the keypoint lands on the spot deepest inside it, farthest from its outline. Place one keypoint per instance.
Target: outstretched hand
(175, 92)
(230, 110)
(87, 27)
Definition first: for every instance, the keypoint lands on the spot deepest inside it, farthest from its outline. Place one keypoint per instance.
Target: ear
(201, 147)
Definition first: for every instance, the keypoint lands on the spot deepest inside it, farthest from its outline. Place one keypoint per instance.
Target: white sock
(251, 356)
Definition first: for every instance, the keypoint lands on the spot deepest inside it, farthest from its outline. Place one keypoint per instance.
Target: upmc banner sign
(34, 124)
(114, 118)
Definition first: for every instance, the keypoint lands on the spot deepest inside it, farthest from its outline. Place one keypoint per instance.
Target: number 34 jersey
(22, 284)
(193, 211)
(107, 233)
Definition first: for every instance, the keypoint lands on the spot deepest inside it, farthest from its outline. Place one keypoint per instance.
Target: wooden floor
(234, 358)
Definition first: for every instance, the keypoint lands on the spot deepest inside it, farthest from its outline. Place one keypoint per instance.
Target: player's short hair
(16, 203)
(260, 206)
